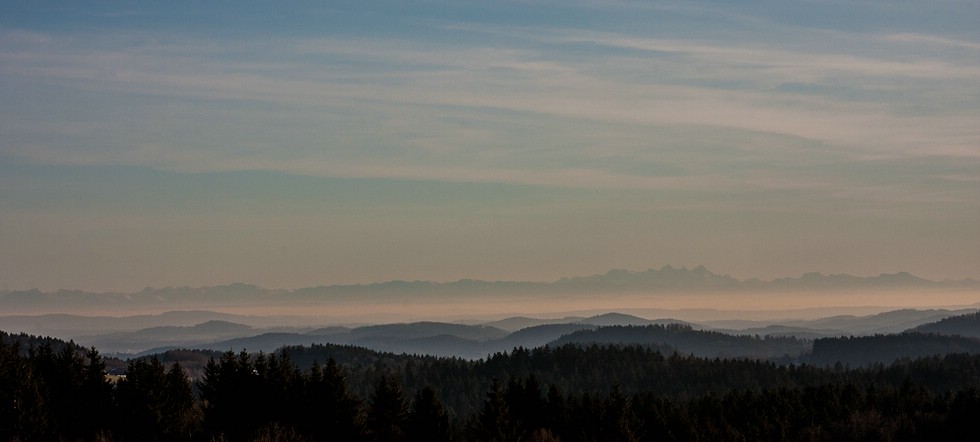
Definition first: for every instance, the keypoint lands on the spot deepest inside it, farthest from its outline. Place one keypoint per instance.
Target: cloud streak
(693, 111)
(419, 94)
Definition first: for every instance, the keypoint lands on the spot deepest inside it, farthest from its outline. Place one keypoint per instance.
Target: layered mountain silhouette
(917, 334)
(664, 280)
(430, 338)
(962, 325)
(787, 339)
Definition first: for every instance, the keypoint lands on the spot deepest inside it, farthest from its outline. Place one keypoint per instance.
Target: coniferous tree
(428, 419)
(277, 387)
(65, 392)
(330, 410)
(387, 412)
(227, 390)
(97, 397)
(493, 422)
(56, 377)
(23, 407)
(525, 405)
(179, 402)
(616, 413)
(11, 375)
(555, 412)
(153, 403)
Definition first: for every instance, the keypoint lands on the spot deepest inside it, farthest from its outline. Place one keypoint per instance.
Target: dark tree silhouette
(493, 422)
(330, 410)
(387, 412)
(227, 391)
(154, 403)
(428, 419)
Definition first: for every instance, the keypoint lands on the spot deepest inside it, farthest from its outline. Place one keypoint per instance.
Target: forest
(54, 390)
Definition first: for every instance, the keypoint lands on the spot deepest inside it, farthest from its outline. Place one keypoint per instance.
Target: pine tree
(96, 397)
(428, 419)
(387, 412)
(154, 404)
(228, 396)
(616, 410)
(330, 410)
(493, 422)
(525, 405)
(23, 413)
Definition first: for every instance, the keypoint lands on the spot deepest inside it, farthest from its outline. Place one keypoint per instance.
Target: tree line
(569, 393)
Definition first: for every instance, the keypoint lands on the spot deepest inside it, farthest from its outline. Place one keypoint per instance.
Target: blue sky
(346, 142)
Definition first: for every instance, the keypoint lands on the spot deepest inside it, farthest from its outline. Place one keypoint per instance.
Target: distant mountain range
(664, 280)
(851, 340)
(431, 338)
(218, 332)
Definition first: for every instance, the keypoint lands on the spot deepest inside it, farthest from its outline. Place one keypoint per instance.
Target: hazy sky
(201, 143)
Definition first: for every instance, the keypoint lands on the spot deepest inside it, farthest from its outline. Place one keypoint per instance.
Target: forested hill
(24, 342)
(885, 349)
(686, 340)
(569, 393)
(963, 325)
(853, 351)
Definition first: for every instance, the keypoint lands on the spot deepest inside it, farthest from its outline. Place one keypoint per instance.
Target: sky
(295, 144)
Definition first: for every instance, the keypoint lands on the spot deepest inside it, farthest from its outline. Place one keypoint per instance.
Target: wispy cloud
(533, 105)
(932, 41)
(467, 113)
(721, 127)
